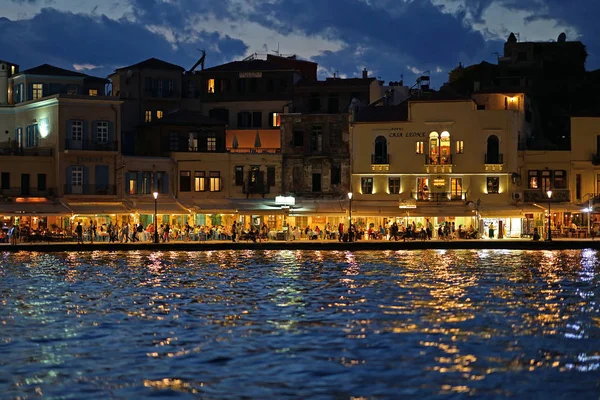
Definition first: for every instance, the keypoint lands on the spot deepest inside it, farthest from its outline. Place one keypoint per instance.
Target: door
(24, 184)
(77, 180)
(76, 135)
(101, 179)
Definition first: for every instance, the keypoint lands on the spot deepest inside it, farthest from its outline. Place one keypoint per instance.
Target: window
(270, 176)
(420, 147)
(456, 188)
(493, 185)
(38, 91)
(244, 119)
(210, 86)
(147, 83)
(173, 141)
(366, 185)
(161, 182)
(283, 85)
(316, 138)
(211, 143)
(533, 179)
(314, 104)
(146, 182)
(77, 175)
(148, 116)
(185, 184)
(239, 175)
(297, 176)
(192, 141)
(298, 139)
(131, 182)
(215, 181)
(5, 180)
(170, 86)
(560, 179)
(257, 119)
(102, 132)
(191, 90)
(93, 92)
(41, 182)
(394, 185)
(159, 114)
(578, 186)
(336, 174)
(333, 103)
(72, 90)
(77, 130)
(224, 85)
(546, 180)
(460, 147)
(316, 182)
(199, 181)
(274, 120)
(253, 85)
(381, 154)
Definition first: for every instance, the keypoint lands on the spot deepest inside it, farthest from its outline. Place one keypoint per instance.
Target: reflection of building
(439, 157)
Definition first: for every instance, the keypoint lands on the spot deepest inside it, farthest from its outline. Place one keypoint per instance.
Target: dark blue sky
(390, 37)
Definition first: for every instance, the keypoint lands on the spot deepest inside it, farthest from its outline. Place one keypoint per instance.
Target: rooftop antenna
(200, 61)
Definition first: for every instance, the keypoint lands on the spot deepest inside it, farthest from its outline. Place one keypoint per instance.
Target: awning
(214, 206)
(42, 209)
(558, 207)
(500, 210)
(162, 207)
(392, 209)
(320, 207)
(98, 208)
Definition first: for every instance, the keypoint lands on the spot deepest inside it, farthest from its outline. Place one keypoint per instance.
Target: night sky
(389, 37)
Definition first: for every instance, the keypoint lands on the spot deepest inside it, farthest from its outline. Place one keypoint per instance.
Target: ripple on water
(300, 324)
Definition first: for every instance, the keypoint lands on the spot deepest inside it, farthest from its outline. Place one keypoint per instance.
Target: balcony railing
(255, 150)
(97, 190)
(91, 145)
(438, 160)
(438, 197)
(541, 196)
(494, 159)
(378, 159)
(27, 152)
(27, 192)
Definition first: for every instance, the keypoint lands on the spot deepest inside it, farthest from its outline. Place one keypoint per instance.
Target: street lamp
(549, 238)
(155, 194)
(350, 206)
(588, 210)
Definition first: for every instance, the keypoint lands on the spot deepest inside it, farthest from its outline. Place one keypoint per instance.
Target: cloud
(86, 67)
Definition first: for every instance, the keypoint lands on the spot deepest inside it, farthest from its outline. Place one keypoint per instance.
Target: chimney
(365, 73)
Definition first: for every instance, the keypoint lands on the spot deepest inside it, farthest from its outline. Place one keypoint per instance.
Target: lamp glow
(43, 129)
(155, 194)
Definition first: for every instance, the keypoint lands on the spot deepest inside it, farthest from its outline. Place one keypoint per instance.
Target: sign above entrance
(285, 200)
(409, 203)
(398, 133)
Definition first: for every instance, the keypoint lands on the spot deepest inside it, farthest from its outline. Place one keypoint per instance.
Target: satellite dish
(129, 73)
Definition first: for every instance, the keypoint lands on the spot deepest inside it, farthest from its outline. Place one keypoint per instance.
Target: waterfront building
(439, 158)
(59, 154)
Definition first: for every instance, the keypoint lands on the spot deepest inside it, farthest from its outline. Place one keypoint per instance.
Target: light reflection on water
(302, 324)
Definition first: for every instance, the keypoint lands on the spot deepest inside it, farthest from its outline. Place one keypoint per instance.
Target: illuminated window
(394, 185)
(148, 116)
(456, 188)
(199, 181)
(131, 186)
(493, 185)
(420, 147)
(159, 114)
(215, 181)
(211, 86)
(534, 179)
(366, 185)
(460, 147)
(274, 120)
(93, 92)
(546, 180)
(38, 91)
(560, 179)
(211, 143)
(102, 132)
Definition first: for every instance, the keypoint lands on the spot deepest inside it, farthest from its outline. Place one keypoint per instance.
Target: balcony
(95, 190)
(380, 162)
(494, 162)
(438, 197)
(540, 196)
(438, 164)
(596, 159)
(255, 150)
(27, 192)
(88, 145)
(26, 152)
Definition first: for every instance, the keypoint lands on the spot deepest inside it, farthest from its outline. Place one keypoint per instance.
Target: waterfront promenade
(508, 244)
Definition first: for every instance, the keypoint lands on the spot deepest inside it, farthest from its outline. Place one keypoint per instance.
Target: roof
(251, 65)
(153, 63)
(443, 95)
(383, 113)
(336, 82)
(51, 70)
(592, 112)
(186, 117)
(502, 90)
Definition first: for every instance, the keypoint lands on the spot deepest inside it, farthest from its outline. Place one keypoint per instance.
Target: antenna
(200, 61)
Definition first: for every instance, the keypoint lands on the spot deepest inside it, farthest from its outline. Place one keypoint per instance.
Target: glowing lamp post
(549, 238)
(350, 208)
(155, 194)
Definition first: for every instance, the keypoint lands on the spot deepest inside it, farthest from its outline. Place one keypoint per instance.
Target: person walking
(12, 235)
(340, 232)
(233, 231)
(79, 232)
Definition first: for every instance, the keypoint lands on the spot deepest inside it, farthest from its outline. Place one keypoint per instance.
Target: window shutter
(29, 92)
(127, 179)
(240, 120)
(86, 176)
(165, 87)
(94, 131)
(69, 179)
(111, 132)
(165, 183)
(69, 134)
(138, 183)
(36, 135)
(16, 145)
(86, 131)
(45, 90)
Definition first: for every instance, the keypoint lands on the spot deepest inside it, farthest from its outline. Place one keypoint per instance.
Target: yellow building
(439, 158)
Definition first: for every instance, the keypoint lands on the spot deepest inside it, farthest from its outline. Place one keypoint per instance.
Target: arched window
(434, 148)
(493, 150)
(381, 153)
(445, 148)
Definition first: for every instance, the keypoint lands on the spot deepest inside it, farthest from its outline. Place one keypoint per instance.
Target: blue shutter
(102, 176)
(69, 135)
(86, 175)
(36, 135)
(138, 183)
(45, 90)
(54, 88)
(69, 180)
(127, 179)
(29, 92)
(111, 132)
(28, 136)
(86, 132)
(21, 92)
(165, 87)
(16, 145)
(17, 94)
(94, 136)
(165, 183)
